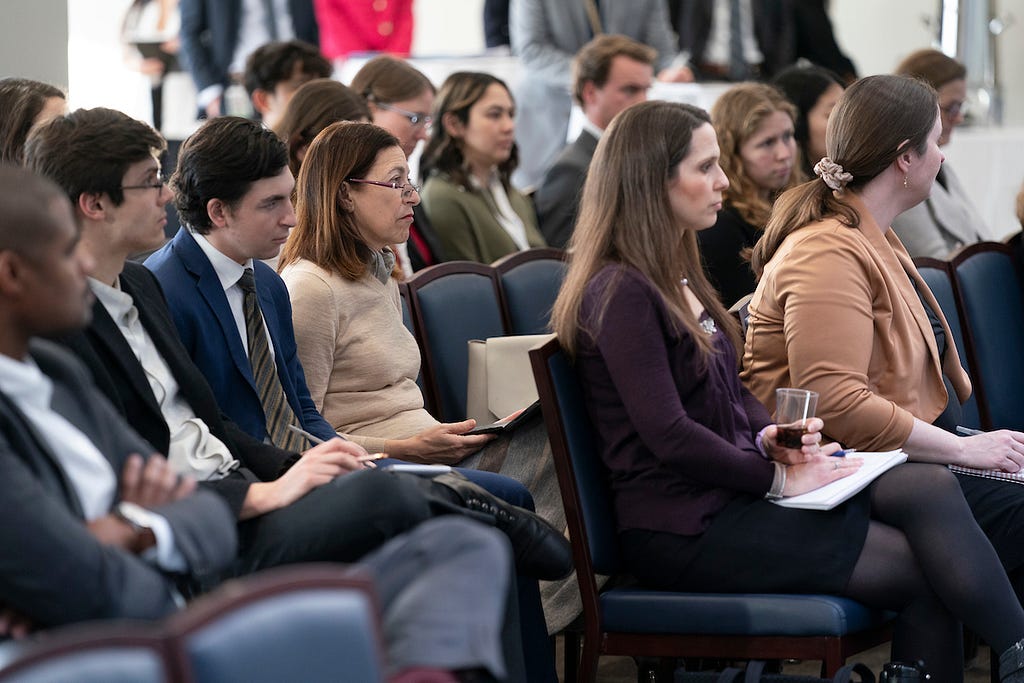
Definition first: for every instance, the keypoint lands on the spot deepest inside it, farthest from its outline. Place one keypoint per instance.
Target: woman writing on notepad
(841, 309)
(692, 456)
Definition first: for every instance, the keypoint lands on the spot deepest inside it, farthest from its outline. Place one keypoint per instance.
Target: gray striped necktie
(278, 413)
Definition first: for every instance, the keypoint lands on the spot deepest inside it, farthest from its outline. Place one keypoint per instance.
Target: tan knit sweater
(360, 361)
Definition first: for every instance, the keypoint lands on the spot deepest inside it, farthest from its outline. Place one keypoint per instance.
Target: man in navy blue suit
(218, 35)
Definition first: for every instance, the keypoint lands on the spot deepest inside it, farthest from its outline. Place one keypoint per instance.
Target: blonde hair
(625, 218)
(737, 115)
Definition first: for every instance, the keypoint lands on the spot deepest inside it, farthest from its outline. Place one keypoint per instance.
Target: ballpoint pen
(313, 439)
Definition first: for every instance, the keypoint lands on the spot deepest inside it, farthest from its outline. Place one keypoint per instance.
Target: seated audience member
(217, 37)
(876, 346)
(273, 72)
(946, 220)
(693, 459)
(814, 91)
(23, 104)
(401, 98)
(361, 362)
(467, 163)
(97, 526)
(291, 508)
(754, 123)
(610, 73)
(315, 106)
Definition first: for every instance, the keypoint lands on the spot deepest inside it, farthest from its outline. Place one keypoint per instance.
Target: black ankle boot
(540, 550)
(1011, 663)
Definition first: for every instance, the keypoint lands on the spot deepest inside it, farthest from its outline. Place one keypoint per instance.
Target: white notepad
(830, 495)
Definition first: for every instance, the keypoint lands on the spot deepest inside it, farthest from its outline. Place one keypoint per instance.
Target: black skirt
(754, 546)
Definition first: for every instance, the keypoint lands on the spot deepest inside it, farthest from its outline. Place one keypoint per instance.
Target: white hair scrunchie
(832, 173)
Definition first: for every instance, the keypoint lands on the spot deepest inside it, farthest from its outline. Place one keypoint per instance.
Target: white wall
(33, 40)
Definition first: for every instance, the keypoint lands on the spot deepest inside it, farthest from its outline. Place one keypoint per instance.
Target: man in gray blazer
(610, 73)
(546, 34)
(92, 530)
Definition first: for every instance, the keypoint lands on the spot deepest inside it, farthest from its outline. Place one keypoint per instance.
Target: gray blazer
(943, 223)
(55, 572)
(546, 34)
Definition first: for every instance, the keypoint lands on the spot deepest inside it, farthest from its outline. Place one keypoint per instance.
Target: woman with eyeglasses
(468, 163)
(400, 99)
(947, 220)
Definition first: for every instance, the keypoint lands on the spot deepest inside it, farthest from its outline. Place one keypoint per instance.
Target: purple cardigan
(678, 439)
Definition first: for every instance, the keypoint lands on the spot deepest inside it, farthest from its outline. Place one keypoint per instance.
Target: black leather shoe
(1011, 663)
(540, 550)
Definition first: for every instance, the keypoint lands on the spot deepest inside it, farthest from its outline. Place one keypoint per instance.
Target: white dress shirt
(89, 472)
(193, 449)
(508, 219)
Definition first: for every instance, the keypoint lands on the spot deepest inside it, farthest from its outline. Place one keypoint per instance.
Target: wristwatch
(137, 517)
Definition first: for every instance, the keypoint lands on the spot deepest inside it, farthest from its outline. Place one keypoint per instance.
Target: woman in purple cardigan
(692, 456)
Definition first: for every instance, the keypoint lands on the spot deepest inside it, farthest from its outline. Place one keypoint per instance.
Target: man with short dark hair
(92, 530)
(276, 70)
(610, 73)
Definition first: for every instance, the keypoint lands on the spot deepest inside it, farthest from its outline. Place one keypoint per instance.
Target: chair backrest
(410, 324)
(304, 622)
(452, 303)
(988, 289)
(582, 477)
(91, 653)
(530, 281)
(938, 276)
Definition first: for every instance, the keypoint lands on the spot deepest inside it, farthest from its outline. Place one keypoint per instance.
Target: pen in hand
(843, 453)
(367, 459)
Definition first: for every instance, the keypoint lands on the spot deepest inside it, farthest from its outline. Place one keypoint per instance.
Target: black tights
(926, 557)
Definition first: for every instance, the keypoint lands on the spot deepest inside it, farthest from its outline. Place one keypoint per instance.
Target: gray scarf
(381, 264)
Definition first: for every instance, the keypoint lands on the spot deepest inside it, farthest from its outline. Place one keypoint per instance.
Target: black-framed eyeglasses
(415, 119)
(157, 183)
(406, 188)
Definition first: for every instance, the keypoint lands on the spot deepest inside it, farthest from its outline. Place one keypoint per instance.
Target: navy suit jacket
(54, 571)
(204, 322)
(209, 35)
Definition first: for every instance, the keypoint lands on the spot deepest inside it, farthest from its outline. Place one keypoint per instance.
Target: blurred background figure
(496, 36)
(348, 27)
(274, 71)
(467, 166)
(217, 36)
(947, 220)
(25, 103)
(150, 35)
(814, 91)
(754, 123)
(401, 98)
(315, 106)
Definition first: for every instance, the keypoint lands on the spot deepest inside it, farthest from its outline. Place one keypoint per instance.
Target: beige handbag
(500, 376)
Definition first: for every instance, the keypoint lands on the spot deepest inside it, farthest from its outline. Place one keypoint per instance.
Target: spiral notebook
(831, 495)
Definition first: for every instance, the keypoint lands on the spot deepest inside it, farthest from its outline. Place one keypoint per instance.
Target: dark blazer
(209, 35)
(774, 30)
(558, 196)
(120, 376)
(54, 571)
(720, 248)
(206, 327)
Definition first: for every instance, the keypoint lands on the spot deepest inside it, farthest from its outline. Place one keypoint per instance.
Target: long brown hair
(625, 217)
(443, 153)
(876, 119)
(387, 80)
(313, 107)
(21, 102)
(737, 115)
(325, 231)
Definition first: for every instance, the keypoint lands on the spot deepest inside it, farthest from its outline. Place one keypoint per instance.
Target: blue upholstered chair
(92, 653)
(452, 303)
(939, 277)
(989, 296)
(530, 281)
(638, 622)
(314, 623)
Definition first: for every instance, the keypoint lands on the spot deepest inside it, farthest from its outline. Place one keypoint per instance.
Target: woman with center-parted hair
(754, 123)
(467, 164)
(692, 457)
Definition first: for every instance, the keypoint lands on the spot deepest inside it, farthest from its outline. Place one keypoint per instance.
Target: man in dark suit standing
(93, 530)
(218, 35)
(610, 73)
